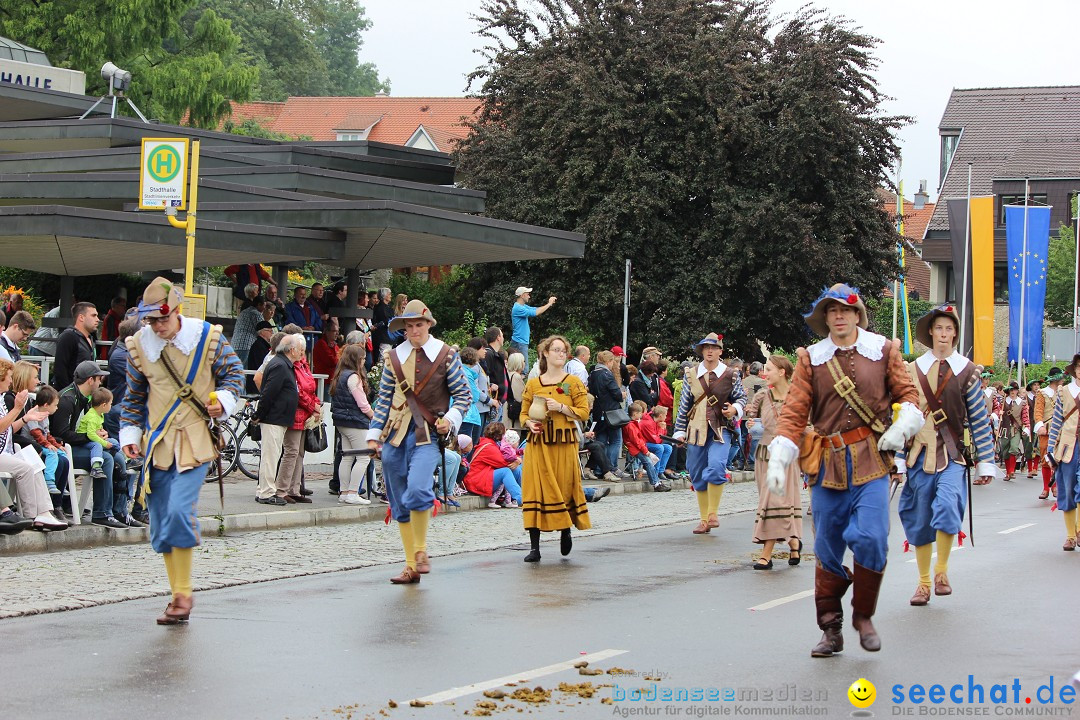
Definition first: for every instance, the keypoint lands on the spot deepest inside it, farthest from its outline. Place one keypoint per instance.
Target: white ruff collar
(185, 340)
(956, 361)
(719, 369)
(1048, 392)
(431, 348)
(868, 344)
(1074, 389)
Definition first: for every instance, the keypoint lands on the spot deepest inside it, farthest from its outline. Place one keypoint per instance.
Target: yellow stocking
(715, 493)
(944, 547)
(406, 531)
(922, 559)
(182, 570)
(703, 504)
(420, 520)
(169, 570)
(1070, 523)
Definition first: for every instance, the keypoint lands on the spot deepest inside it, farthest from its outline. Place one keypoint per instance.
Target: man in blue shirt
(519, 319)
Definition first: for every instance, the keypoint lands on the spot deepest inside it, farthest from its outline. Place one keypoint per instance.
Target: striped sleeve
(686, 401)
(228, 376)
(460, 393)
(134, 415)
(382, 402)
(1055, 426)
(979, 421)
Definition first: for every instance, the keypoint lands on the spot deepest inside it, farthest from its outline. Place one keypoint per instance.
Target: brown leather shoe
(702, 528)
(297, 498)
(921, 596)
(177, 611)
(1070, 544)
(288, 499)
(408, 576)
(423, 564)
(713, 521)
(941, 584)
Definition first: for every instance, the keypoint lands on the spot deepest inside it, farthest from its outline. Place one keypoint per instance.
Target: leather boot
(829, 590)
(864, 603)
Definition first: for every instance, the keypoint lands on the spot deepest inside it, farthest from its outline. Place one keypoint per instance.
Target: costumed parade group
(850, 415)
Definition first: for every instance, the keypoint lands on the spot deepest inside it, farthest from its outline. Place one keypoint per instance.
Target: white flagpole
(900, 239)
(964, 306)
(626, 305)
(1023, 290)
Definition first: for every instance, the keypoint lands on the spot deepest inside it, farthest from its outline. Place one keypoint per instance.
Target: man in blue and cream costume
(935, 494)
(168, 425)
(1061, 451)
(422, 389)
(712, 401)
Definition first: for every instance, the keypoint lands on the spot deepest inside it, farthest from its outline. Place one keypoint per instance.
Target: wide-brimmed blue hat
(710, 340)
(414, 310)
(838, 293)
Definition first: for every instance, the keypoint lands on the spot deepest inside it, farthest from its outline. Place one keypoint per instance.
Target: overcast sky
(928, 47)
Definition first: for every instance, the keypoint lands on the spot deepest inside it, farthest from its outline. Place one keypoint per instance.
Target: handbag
(315, 439)
(811, 449)
(254, 430)
(617, 418)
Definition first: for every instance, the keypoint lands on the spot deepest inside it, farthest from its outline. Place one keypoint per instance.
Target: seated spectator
(489, 471)
(645, 385)
(92, 426)
(652, 427)
(11, 522)
(250, 316)
(447, 484)
(20, 326)
(109, 506)
(34, 500)
(51, 449)
(638, 450)
(264, 331)
(25, 377)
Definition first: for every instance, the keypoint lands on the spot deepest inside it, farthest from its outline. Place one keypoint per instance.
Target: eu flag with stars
(1031, 286)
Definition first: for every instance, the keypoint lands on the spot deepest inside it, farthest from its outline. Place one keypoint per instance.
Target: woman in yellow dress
(551, 493)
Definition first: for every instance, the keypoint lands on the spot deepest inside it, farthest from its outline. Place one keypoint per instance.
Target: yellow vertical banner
(982, 278)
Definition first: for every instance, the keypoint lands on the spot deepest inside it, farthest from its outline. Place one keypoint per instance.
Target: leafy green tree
(1060, 279)
(734, 160)
(182, 63)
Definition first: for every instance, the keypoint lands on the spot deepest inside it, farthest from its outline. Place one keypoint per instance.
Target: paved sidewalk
(243, 514)
(39, 583)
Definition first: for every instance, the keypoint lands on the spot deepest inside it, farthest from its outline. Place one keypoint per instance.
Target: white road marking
(934, 554)
(780, 601)
(1012, 530)
(526, 676)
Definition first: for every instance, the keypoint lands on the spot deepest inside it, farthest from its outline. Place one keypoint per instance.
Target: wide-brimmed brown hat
(839, 293)
(710, 340)
(922, 327)
(1070, 369)
(414, 310)
(160, 298)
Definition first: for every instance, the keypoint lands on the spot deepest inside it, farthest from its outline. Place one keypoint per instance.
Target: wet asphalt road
(678, 604)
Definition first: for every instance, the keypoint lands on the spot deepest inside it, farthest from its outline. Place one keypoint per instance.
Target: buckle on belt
(836, 442)
(184, 392)
(938, 416)
(712, 400)
(844, 386)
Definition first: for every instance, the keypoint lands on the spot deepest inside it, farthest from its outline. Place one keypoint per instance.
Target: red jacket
(633, 440)
(486, 459)
(650, 431)
(305, 387)
(324, 357)
(667, 399)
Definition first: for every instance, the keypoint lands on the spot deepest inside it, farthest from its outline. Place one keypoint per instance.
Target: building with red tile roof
(429, 123)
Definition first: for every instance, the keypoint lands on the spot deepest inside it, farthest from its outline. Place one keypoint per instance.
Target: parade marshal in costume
(1061, 451)
(423, 393)
(181, 373)
(935, 494)
(706, 420)
(846, 385)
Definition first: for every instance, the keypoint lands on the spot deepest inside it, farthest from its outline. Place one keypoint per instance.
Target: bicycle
(249, 450)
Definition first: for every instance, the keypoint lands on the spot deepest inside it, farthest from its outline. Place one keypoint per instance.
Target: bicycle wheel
(228, 456)
(249, 455)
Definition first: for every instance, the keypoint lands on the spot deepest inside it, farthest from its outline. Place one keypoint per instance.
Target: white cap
(521, 291)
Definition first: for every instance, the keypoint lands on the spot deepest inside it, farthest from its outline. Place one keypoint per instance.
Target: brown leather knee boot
(864, 603)
(829, 590)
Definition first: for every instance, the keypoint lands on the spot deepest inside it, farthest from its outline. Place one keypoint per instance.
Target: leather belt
(838, 441)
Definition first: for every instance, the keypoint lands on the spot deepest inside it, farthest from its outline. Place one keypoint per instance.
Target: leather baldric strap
(417, 408)
(942, 422)
(845, 388)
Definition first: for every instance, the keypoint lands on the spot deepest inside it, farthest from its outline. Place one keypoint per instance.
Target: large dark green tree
(303, 47)
(733, 160)
(183, 63)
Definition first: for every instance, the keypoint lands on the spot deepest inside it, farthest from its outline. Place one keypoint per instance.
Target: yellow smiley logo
(862, 693)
